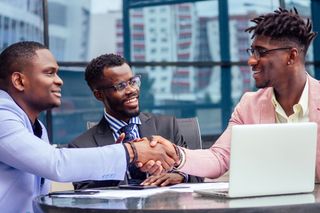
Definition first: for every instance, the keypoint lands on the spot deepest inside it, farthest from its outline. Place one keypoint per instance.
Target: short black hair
(94, 70)
(284, 25)
(16, 56)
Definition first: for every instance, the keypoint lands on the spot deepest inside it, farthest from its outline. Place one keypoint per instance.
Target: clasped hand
(155, 154)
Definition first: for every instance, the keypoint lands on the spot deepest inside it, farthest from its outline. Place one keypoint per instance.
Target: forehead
(264, 41)
(43, 59)
(118, 73)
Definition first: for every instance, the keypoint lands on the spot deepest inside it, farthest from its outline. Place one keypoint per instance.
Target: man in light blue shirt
(29, 84)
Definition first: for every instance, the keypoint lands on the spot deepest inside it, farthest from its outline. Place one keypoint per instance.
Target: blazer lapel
(103, 134)
(267, 113)
(147, 127)
(314, 111)
(314, 100)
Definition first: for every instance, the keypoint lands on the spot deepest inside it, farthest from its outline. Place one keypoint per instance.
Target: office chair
(190, 130)
(91, 124)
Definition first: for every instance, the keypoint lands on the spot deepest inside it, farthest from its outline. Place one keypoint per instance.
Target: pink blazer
(253, 108)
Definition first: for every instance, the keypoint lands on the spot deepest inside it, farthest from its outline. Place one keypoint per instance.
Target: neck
(122, 118)
(32, 114)
(290, 92)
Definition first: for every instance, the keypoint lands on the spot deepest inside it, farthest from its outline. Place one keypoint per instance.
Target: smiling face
(120, 104)
(40, 84)
(270, 70)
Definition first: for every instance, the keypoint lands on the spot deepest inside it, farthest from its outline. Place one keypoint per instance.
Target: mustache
(130, 96)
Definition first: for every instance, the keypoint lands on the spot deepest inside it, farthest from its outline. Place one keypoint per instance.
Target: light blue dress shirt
(116, 124)
(24, 158)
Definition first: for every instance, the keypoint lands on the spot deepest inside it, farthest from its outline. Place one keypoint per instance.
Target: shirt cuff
(185, 176)
(127, 154)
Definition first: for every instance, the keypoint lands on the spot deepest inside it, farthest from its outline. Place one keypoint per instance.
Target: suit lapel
(314, 100)
(267, 113)
(103, 134)
(314, 111)
(147, 127)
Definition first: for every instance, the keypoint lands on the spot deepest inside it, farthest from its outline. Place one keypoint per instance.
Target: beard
(131, 113)
(118, 110)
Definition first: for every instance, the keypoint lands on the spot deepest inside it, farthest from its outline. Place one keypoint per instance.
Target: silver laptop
(270, 159)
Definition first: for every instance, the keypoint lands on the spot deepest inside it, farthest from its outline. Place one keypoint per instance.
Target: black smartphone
(75, 192)
(137, 187)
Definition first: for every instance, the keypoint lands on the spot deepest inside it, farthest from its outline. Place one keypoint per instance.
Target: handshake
(155, 154)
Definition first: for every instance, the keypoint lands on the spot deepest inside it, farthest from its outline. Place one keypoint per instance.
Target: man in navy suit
(114, 84)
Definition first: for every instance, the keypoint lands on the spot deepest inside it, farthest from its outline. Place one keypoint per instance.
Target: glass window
(178, 29)
(69, 28)
(184, 32)
(187, 32)
(25, 23)
(183, 92)
(78, 106)
(304, 9)
(55, 17)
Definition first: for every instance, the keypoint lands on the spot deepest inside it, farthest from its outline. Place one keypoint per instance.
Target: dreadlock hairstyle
(284, 25)
(94, 70)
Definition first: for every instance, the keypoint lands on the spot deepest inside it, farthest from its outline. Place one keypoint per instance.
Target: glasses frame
(258, 53)
(118, 87)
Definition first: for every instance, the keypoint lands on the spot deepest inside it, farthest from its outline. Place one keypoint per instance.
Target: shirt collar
(37, 129)
(116, 124)
(303, 99)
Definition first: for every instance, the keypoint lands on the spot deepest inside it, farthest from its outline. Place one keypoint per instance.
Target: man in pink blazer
(286, 92)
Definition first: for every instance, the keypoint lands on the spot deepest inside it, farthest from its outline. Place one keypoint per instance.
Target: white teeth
(131, 100)
(58, 93)
(255, 72)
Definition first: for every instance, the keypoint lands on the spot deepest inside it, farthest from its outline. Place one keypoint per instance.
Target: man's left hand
(164, 179)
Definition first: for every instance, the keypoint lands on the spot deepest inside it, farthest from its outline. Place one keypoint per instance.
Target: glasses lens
(135, 81)
(255, 52)
(249, 51)
(121, 86)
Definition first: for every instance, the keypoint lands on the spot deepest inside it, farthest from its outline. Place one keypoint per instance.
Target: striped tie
(135, 176)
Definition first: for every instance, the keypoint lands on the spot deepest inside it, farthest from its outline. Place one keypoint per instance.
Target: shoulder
(254, 97)
(314, 83)
(84, 139)
(145, 116)
(9, 110)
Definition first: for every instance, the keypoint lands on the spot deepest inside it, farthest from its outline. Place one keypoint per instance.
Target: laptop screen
(269, 159)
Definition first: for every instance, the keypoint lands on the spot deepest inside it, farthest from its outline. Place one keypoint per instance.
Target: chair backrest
(189, 128)
(91, 124)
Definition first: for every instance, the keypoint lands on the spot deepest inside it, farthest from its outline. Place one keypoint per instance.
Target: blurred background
(191, 53)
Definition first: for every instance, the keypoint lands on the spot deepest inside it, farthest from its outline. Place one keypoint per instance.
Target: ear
(98, 94)
(18, 80)
(293, 56)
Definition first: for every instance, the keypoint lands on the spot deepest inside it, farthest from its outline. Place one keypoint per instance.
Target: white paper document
(120, 193)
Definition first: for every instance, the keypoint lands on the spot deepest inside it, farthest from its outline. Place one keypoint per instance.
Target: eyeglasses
(258, 53)
(133, 82)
